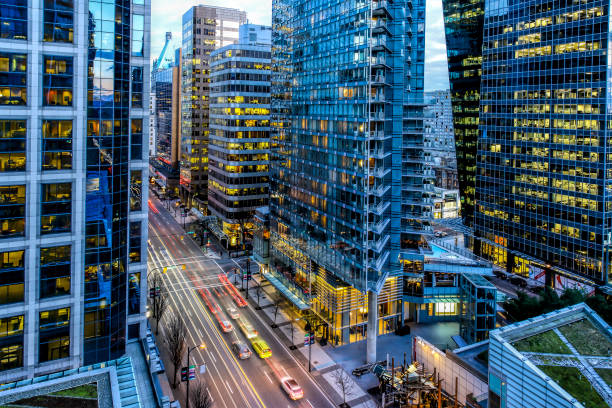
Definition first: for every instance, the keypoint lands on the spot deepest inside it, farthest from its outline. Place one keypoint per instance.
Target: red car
(292, 388)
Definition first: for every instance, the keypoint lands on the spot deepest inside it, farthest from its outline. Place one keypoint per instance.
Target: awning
(286, 291)
(436, 299)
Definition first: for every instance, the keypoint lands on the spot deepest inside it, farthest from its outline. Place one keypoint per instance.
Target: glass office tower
(463, 23)
(349, 177)
(240, 131)
(205, 28)
(72, 226)
(543, 161)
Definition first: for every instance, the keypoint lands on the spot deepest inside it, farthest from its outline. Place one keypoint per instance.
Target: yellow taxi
(261, 348)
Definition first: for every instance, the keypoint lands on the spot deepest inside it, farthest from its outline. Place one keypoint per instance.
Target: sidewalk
(324, 368)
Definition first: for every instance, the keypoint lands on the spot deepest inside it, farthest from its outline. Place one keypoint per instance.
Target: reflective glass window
(12, 145)
(136, 190)
(11, 277)
(57, 81)
(136, 140)
(14, 19)
(135, 238)
(56, 208)
(13, 78)
(11, 342)
(136, 87)
(12, 211)
(54, 271)
(138, 35)
(54, 334)
(56, 144)
(134, 293)
(58, 21)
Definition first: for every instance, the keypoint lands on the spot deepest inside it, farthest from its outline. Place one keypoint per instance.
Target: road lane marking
(215, 331)
(268, 376)
(212, 356)
(228, 387)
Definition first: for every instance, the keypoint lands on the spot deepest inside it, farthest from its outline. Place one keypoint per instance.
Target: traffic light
(184, 374)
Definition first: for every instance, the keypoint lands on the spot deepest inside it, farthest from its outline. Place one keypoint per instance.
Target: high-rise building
(73, 226)
(350, 181)
(238, 148)
(205, 28)
(463, 23)
(440, 139)
(161, 85)
(543, 167)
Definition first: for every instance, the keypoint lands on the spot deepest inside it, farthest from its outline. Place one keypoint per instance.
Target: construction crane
(165, 59)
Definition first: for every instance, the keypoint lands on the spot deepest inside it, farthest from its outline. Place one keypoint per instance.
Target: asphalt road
(191, 277)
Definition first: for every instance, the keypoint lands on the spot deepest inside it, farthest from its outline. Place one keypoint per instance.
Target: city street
(192, 280)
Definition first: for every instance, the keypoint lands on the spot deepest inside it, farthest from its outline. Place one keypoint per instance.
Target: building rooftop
(115, 383)
(571, 346)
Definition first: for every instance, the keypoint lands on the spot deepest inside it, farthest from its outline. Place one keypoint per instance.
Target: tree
(176, 332)
(344, 382)
(160, 301)
(258, 293)
(199, 396)
(601, 306)
(277, 303)
(292, 328)
(526, 306)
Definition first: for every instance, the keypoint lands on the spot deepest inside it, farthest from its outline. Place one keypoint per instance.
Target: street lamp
(189, 350)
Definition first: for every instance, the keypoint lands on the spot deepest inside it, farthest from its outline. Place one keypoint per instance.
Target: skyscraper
(205, 28)
(161, 86)
(463, 23)
(240, 131)
(72, 219)
(349, 176)
(542, 206)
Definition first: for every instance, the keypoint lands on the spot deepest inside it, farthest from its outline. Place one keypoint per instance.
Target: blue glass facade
(543, 161)
(463, 26)
(349, 177)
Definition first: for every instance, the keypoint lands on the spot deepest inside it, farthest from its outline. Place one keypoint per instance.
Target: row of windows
(53, 338)
(56, 146)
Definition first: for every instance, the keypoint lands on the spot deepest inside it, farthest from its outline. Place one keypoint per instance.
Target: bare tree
(176, 332)
(277, 303)
(258, 293)
(344, 382)
(160, 301)
(199, 396)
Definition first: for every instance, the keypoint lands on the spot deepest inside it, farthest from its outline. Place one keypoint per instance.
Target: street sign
(203, 369)
(307, 339)
(152, 292)
(184, 374)
(192, 372)
(157, 291)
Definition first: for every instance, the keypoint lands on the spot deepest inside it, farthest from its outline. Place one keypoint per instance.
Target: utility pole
(248, 276)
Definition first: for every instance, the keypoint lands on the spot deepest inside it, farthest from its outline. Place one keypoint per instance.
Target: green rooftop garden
(605, 374)
(83, 396)
(586, 338)
(545, 342)
(572, 381)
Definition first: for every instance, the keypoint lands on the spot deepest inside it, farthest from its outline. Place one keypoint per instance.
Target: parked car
(292, 388)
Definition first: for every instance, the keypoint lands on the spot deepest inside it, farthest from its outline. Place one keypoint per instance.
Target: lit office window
(138, 35)
(135, 238)
(12, 145)
(137, 87)
(136, 140)
(56, 144)
(136, 190)
(54, 271)
(11, 342)
(58, 21)
(12, 211)
(57, 81)
(54, 334)
(14, 19)
(13, 78)
(12, 277)
(56, 208)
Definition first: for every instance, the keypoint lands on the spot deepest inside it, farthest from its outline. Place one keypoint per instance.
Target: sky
(166, 16)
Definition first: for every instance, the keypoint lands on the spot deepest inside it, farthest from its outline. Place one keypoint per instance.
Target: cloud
(436, 66)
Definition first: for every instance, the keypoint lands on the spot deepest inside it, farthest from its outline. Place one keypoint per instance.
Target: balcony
(380, 208)
(380, 43)
(379, 62)
(379, 153)
(378, 97)
(379, 172)
(380, 8)
(379, 80)
(378, 245)
(378, 190)
(377, 135)
(380, 115)
(380, 26)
